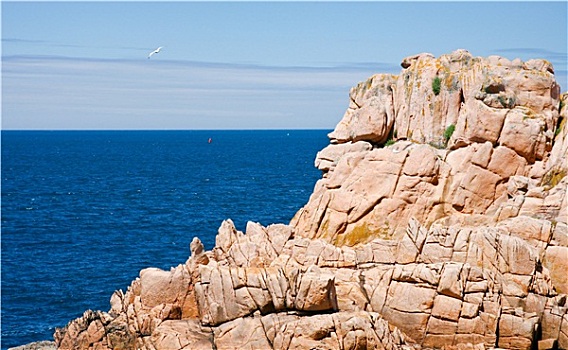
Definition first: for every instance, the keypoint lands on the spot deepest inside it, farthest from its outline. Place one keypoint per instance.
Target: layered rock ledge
(440, 222)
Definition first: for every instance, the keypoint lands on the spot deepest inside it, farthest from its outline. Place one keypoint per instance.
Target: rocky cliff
(440, 221)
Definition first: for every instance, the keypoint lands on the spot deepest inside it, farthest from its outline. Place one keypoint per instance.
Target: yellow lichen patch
(439, 65)
(424, 63)
(368, 84)
(363, 233)
(553, 177)
(528, 113)
(450, 81)
(364, 85)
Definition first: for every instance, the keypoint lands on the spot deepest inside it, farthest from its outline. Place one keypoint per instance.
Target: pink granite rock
(437, 240)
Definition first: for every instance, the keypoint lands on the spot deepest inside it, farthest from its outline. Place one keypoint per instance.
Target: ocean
(84, 211)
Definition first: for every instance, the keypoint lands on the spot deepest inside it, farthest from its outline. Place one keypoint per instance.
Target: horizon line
(197, 129)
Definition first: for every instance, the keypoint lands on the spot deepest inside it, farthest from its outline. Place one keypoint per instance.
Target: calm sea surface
(84, 211)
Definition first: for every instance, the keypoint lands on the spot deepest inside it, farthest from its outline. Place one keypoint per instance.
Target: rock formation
(440, 222)
(455, 149)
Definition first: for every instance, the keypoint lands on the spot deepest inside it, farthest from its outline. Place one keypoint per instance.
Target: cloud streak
(18, 42)
(70, 93)
(47, 92)
(22, 41)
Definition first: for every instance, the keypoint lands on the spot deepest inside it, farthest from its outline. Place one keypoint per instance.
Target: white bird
(155, 51)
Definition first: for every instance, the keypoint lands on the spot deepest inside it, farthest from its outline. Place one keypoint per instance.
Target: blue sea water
(84, 211)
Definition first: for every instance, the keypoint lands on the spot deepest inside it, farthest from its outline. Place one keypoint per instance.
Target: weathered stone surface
(370, 115)
(341, 330)
(556, 261)
(243, 333)
(181, 334)
(327, 158)
(315, 291)
(40, 345)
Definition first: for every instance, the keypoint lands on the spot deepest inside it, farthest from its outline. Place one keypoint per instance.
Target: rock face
(455, 149)
(249, 292)
(440, 222)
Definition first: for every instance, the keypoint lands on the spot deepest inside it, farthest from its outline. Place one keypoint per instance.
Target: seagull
(155, 51)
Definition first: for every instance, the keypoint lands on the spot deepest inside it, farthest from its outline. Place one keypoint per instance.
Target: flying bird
(155, 51)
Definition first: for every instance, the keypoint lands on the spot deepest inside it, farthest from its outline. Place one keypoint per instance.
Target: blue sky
(239, 65)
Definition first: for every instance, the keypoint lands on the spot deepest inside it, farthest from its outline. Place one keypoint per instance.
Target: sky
(239, 65)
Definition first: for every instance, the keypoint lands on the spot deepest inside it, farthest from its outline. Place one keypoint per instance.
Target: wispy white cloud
(46, 92)
(22, 41)
(15, 44)
(70, 93)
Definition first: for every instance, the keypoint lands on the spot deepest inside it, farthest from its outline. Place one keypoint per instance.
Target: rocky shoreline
(440, 222)
(40, 345)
